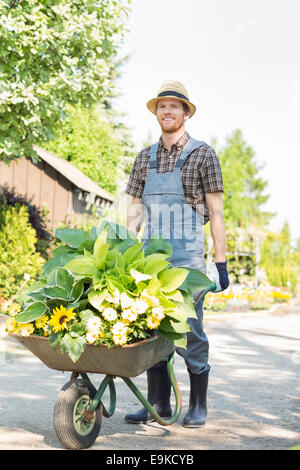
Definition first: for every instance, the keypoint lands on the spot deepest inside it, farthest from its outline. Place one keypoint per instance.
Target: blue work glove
(223, 274)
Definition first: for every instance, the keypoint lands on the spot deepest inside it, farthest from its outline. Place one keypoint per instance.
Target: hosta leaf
(55, 338)
(111, 259)
(178, 339)
(176, 295)
(62, 250)
(196, 281)
(155, 264)
(37, 295)
(79, 305)
(188, 307)
(85, 315)
(138, 276)
(64, 278)
(76, 291)
(116, 232)
(96, 231)
(159, 245)
(153, 286)
(74, 347)
(101, 240)
(84, 265)
(32, 312)
(55, 292)
(172, 278)
(174, 326)
(133, 253)
(72, 237)
(78, 329)
(100, 253)
(36, 286)
(113, 285)
(57, 261)
(164, 301)
(124, 245)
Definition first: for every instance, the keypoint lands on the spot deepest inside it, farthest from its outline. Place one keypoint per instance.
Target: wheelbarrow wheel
(72, 427)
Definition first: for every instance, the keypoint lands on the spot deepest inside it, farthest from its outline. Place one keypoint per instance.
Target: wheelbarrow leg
(107, 381)
(149, 407)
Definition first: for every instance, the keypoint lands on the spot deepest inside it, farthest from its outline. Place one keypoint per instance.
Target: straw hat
(172, 89)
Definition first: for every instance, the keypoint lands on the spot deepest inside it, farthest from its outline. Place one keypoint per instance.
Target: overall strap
(190, 146)
(152, 155)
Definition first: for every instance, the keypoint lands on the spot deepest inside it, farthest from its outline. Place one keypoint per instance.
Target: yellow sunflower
(60, 318)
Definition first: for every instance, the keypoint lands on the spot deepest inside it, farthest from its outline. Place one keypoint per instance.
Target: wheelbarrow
(78, 408)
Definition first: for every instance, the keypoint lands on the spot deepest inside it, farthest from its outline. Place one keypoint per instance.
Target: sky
(239, 60)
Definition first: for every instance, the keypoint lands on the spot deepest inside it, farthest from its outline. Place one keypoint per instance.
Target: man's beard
(173, 129)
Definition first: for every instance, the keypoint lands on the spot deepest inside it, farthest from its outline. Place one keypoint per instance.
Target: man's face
(170, 115)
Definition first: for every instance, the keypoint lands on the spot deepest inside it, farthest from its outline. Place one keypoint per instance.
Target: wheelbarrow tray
(123, 361)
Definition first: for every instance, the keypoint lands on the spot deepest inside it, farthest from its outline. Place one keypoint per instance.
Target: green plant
(89, 141)
(36, 217)
(278, 259)
(52, 54)
(102, 287)
(18, 256)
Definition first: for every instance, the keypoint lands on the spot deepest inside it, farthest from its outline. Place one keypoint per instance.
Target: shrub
(17, 249)
(37, 218)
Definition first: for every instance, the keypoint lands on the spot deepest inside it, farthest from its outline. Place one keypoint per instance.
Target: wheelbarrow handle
(202, 294)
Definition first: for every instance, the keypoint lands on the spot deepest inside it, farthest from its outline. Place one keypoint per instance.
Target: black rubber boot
(159, 392)
(196, 415)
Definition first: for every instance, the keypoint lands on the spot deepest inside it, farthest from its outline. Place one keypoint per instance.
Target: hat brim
(151, 105)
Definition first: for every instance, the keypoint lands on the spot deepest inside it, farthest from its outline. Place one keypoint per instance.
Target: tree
(52, 54)
(279, 260)
(243, 186)
(88, 140)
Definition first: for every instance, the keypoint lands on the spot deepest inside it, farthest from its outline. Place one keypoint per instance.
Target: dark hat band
(172, 93)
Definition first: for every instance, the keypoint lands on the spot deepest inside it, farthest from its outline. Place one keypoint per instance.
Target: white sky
(240, 62)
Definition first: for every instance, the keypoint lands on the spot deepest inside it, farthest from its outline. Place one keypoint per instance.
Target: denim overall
(169, 214)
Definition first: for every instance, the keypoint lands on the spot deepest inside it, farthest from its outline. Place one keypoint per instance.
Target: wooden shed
(54, 183)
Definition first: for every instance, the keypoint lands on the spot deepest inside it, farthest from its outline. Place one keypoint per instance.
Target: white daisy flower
(139, 306)
(129, 315)
(119, 329)
(158, 313)
(110, 314)
(94, 324)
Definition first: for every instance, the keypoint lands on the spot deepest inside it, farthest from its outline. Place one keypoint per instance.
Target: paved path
(253, 400)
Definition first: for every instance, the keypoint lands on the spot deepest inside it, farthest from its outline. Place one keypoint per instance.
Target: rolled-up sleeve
(135, 185)
(211, 172)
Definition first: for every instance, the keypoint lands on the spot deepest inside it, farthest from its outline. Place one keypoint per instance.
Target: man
(178, 183)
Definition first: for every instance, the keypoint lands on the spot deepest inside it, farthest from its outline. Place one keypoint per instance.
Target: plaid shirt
(200, 174)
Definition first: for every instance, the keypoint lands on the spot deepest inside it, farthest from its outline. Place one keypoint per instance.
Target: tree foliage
(279, 260)
(52, 54)
(243, 186)
(89, 141)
